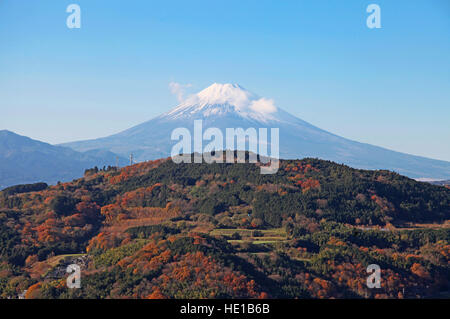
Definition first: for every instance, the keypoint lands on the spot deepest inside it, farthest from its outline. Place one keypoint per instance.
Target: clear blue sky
(317, 59)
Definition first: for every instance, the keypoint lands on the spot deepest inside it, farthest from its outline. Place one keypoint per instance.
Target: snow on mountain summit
(221, 99)
(232, 94)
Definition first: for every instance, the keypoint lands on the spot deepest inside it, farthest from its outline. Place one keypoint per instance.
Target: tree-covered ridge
(163, 230)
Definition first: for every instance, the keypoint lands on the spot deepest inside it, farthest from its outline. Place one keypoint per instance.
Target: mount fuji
(231, 106)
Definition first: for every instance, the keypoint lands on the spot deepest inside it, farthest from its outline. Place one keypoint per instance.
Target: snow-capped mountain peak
(225, 106)
(232, 94)
(220, 99)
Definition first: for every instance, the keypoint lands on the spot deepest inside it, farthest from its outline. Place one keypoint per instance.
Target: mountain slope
(159, 229)
(24, 160)
(230, 106)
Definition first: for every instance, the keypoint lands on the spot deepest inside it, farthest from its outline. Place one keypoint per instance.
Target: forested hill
(164, 230)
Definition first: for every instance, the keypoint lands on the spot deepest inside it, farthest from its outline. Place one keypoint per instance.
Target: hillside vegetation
(163, 230)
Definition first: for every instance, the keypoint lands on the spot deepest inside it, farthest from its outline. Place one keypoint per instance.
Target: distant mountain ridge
(230, 105)
(441, 183)
(24, 160)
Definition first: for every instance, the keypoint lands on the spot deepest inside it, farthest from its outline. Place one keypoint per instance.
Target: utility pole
(117, 162)
(131, 159)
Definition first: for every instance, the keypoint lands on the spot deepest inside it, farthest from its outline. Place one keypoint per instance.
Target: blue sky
(317, 59)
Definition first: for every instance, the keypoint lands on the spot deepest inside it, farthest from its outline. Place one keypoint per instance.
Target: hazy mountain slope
(24, 160)
(227, 105)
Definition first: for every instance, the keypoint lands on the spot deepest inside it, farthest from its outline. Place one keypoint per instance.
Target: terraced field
(266, 236)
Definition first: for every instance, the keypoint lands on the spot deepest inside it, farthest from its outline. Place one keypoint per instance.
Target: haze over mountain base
(24, 160)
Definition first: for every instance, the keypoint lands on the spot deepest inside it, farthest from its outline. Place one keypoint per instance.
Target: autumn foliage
(163, 230)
